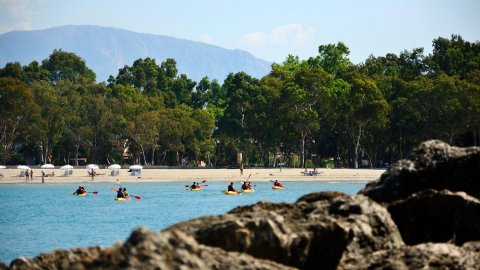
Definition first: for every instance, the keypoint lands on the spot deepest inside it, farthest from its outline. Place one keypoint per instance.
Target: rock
(437, 216)
(147, 250)
(423, 256)
(320, 229)
(432, 165)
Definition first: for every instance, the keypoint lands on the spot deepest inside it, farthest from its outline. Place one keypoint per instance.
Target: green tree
(67, 66)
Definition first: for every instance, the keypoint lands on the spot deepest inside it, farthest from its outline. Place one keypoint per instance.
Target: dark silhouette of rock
(147, 250)
(437, 216)
(423, 256)
(432, 165)
(321, 229)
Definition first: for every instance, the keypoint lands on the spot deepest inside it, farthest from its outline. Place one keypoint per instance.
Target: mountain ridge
(107, 49)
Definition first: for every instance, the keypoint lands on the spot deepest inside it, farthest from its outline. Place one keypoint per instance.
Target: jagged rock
(422, 256)
(319, 230)
(437, 216)
(432, 165)
(147, 250)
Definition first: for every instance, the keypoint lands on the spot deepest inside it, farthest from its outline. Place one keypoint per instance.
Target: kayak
(277, 187)
(122, 199)
(82, 195)
(250, 190)
(230, 192)
(196, 189)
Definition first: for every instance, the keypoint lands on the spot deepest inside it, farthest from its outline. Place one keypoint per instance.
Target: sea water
(36, 218)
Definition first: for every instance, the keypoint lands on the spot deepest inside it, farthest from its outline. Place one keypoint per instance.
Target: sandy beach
(11, 176)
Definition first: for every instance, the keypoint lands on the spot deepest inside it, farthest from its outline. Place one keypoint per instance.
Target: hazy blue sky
(269, 29)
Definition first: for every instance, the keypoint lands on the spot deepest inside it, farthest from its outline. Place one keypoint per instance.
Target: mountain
(106, 49)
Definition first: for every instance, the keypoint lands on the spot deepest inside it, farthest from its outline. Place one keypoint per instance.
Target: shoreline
(11, 176)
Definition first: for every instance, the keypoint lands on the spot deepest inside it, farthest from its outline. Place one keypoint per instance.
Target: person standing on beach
(31, 175)
(241, 168)
(26, 175)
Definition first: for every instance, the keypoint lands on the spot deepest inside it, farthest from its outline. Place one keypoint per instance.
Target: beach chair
(117, 173)
(70, 172)
(114, 173)
(65, 173)
(22, 174)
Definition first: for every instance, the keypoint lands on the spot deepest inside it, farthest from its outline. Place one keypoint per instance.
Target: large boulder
(437, 216)
(432, 165)
(147, 250)
(423, 256)
(320, 229)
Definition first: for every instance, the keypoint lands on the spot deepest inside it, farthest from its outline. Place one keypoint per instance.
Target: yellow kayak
(196, 189)
(226, 192)
(250, 190)
(82, 195)
(277, 188)
(122, 199)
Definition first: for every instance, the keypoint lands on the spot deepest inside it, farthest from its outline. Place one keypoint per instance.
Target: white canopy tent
(115, 169)
(135, 169)
(47, 166)
(68, 170)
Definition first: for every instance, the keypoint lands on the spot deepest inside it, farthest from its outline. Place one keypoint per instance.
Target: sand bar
(11, 176)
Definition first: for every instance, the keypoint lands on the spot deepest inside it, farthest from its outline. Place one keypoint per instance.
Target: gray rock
(433, 165)
(318, 230)
(147, 250)
(437, 216)
(423, 256)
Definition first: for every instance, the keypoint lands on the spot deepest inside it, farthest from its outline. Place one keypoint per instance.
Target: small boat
(226, 192)
(122, 199)
(277, 188)
(81, 195)
(249, 190)
(196, 189)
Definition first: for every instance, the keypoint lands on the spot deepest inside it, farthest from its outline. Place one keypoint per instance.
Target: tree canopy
(321, 111)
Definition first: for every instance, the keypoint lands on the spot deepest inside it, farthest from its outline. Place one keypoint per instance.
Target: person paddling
(194, 185)
(80, 190)
(231, 188)
(277, 184)
(120, 193)
(125, 193)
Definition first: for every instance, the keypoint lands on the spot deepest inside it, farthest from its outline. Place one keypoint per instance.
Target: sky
(269, 29)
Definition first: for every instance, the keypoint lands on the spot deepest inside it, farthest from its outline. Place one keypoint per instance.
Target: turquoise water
(37, 218)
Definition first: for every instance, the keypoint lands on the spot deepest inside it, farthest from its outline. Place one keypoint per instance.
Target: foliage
(320, 111)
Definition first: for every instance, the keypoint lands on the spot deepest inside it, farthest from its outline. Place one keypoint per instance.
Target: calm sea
(36, 218)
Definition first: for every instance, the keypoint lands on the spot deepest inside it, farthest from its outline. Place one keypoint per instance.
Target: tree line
(322, 111)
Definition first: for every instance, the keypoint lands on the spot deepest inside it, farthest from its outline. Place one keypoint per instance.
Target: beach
(11, 176)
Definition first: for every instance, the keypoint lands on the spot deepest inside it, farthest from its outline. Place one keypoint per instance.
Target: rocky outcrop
(422, 256)
(321, 229)
(437, 216)
(147, 250)
(423, 213)
(432, 165)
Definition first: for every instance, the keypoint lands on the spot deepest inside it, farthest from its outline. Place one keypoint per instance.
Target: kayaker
(120, 193)
(80, 190)
(125, 193)
(231, 188)
(245, 186)
(194, 185)
(277, 184)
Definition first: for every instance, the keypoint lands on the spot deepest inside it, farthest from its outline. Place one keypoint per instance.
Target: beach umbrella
(3, 167)
(114, 167)
(47, 166)
(23, 167)
(92, 166)
(136, 167)
(66, 167)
